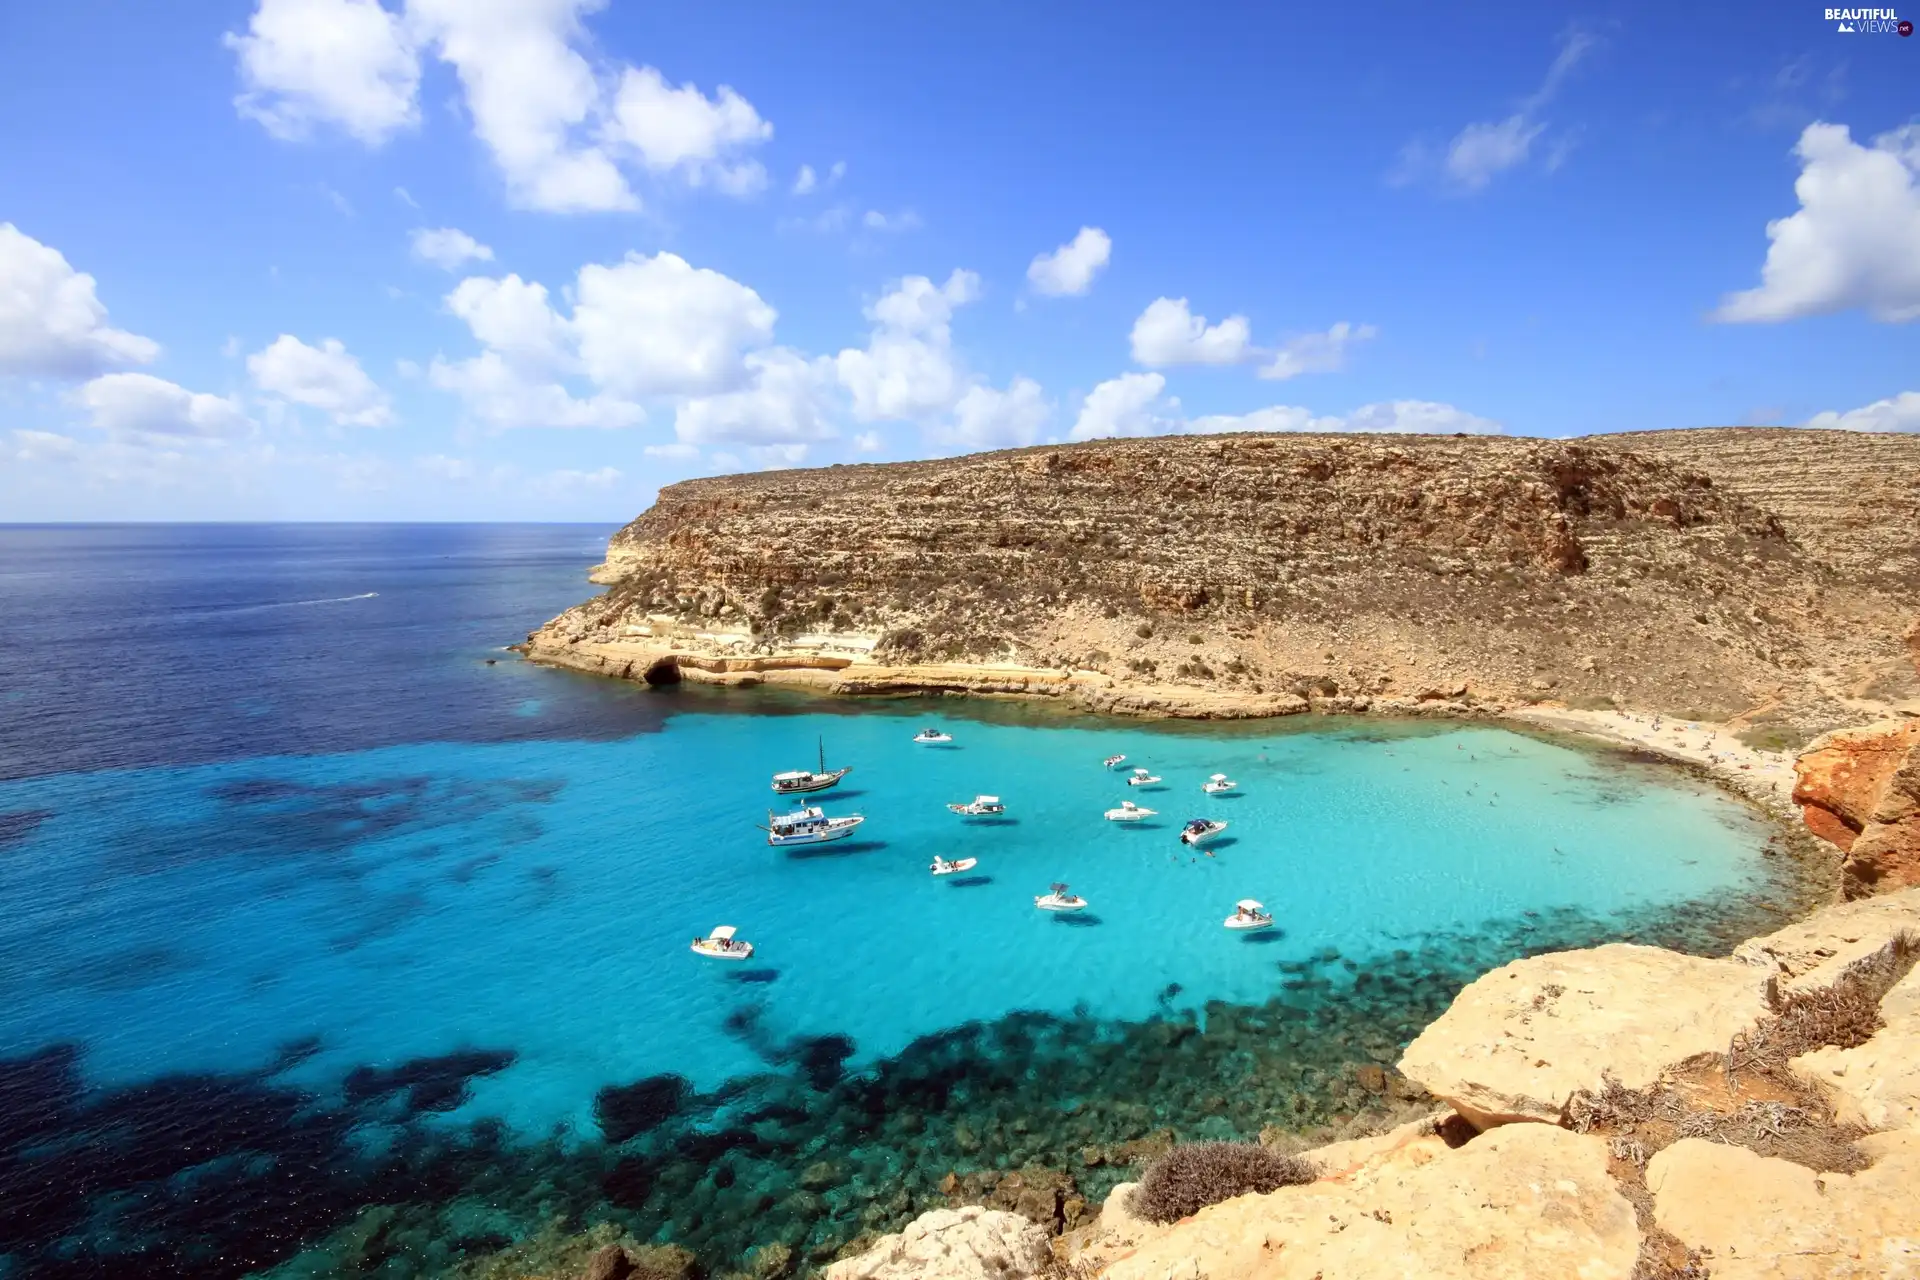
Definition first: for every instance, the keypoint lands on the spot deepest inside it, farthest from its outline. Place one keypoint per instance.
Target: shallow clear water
(483, 879)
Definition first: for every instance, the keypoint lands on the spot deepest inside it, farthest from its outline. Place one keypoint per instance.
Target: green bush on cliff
(1189, 1178)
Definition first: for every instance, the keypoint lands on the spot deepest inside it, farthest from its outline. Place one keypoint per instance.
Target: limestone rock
(953, 1244)
(1521, 1203)
(1521, 1040)
(1875, 1085)
(609, 1262)
(1859, 789)
(1770, 1219)
(1816, 951)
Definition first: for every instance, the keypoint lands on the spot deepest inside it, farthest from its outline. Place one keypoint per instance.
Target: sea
(337, 939)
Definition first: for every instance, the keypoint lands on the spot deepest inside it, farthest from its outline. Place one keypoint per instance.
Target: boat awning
(1249, 905)
(1218, 777)
(986, 799)
(722, 933)
(791, 775)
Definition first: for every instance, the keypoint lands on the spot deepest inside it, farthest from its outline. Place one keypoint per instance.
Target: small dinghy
(932, 737)
(1219, 785)
(1142, 778)
(1248, 914)
(1060, 899)
(800, 781)
(1129, 812)
(722, 945)
(941, 867)
(1113, 762)
(810, 825)
(1200, 830)
(979, 807)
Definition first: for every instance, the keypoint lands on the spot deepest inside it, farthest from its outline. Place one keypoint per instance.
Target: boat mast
(823, 754)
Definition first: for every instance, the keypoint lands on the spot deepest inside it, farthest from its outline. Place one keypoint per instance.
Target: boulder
(1875, 1085)
(608, 1262)
(953, 1244)
(1859, 790)
(1521, 1040)
(1816, 951)
(1771, 1219)
(1522, 1202)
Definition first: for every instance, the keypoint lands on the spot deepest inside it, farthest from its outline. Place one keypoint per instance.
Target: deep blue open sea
(336, 939)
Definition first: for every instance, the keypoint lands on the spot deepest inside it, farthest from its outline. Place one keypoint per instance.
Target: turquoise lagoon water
(409, 901)
(437, 960)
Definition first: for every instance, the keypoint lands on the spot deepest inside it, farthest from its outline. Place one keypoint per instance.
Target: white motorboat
(1142, 778)
(979, 807)
(1200, 830)
(722, 945)
(1129, 812)
(932, 737)
(1113, 762)
(810, 825)
(800, 781)
(941, 867)
(1219, 785)
(1060, 898)
(1248, 914)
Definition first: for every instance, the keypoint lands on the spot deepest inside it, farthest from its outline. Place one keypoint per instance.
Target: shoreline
(1708, 751)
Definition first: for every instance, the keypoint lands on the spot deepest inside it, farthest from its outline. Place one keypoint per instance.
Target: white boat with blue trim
(809, 825)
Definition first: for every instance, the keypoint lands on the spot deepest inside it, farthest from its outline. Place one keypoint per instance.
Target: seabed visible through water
(247, 1000)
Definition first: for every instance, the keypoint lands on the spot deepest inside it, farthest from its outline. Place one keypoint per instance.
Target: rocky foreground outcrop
(1633, 1125)
(1626, 570)
(1859, 790)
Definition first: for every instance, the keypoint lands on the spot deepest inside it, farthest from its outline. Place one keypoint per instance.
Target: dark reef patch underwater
(219, 1175)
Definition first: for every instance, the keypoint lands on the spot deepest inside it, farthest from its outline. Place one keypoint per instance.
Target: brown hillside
(1704, 573)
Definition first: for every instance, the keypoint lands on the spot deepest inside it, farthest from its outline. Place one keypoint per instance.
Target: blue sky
(1024, 223)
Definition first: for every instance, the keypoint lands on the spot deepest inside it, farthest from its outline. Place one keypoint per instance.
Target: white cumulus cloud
(907, 369)
(1898, 413)
(661, 325)
(559, 127)
(986, 418)
(1855, 241)
(1129, 405)
(326, 377)
(785, 403)
(448, 248)
(52, 324)
(1070, 269)
(501, 396)
(1167, 334)
(134, 405)
(1485, 149)
(346, 63)
(1316, 352)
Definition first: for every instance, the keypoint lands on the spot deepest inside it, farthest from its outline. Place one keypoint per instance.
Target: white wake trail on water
(294, 604)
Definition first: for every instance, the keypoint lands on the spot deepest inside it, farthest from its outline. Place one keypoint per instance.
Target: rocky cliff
(1859, 790)
(1712, 574)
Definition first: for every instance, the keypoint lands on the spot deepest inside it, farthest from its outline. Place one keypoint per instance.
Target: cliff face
(1702, 573)
(1859, 790)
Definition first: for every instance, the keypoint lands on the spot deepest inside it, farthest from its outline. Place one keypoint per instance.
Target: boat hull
(817, 782)
(1245, 925)
(742, 952)
(836, 829)
(954, 868)
(1193, 839)
(1056, 904)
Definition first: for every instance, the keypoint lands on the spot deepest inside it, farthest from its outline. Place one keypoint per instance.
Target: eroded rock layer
(1606, 569)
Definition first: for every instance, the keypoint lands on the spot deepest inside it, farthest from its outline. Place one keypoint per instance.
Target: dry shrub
(1844, 1015)
(1189, 1178)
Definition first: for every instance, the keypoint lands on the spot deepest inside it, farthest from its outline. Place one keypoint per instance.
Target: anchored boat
(1129, 812)
(1060, 898)
(810, 825)
(1142, 778)
(1219, 785)
(1200, 830)
(1113, 762)
(722, 945)
(979, 807)
(800, 781)
(941, 867)
(1248, 914)
(932, 737)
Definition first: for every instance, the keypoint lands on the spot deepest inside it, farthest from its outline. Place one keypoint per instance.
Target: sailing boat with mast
(800, 781)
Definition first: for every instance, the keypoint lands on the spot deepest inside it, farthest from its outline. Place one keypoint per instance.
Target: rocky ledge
(1621, 1112)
